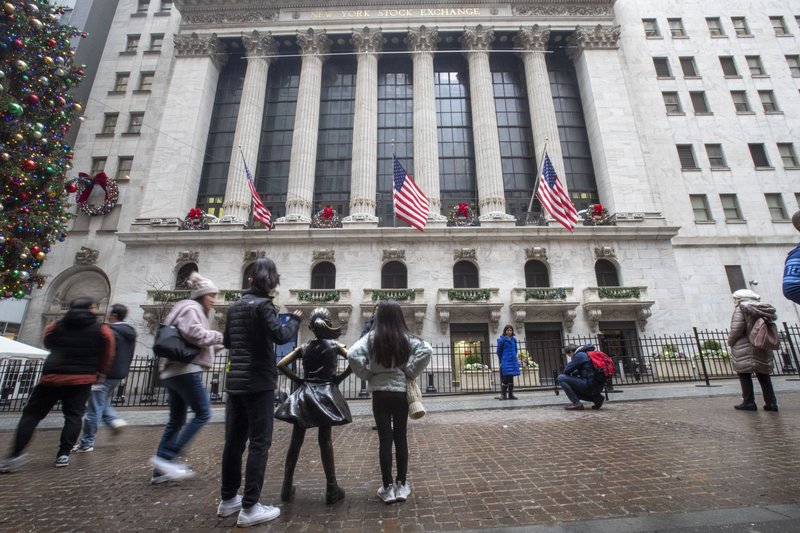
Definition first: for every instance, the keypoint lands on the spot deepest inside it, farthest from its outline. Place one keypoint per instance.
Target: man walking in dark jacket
(100, 407)
(577, 380)
(81, 352)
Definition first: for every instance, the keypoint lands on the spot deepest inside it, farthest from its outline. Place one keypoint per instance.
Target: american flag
(410, 204)
(260, 211)
(554, 198)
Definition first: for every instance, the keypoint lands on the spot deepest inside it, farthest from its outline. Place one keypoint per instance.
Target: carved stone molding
(465, 253)
(322, 255)
(477, 38)
(605, 252)
(188, 256)
(152, 320)
(86, 256)
(422, 39)
(393, 254)
(230, 17)
(314, 42)
(533, 39)
(537, 252)
(560, 10)
(367, 40)
(444, 320)
(260, 45)
(252, 255)
(598, 38)
(196, 45)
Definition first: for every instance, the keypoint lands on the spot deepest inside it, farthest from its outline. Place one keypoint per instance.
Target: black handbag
(171, 345)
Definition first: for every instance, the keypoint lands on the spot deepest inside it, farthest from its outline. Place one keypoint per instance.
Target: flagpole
(394, 215)
(538, 176)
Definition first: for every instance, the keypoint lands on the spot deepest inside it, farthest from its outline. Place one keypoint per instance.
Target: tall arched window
(183, 274)
(606, 273)
(394, 276)
(536, 274)
(465, 275)
(247, 273)
(323, 276)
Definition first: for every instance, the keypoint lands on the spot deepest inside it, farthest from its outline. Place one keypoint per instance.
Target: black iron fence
(700, 356)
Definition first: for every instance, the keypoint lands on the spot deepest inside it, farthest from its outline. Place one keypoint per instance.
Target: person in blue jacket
(791, 269)
(509, 364)
(577, 379)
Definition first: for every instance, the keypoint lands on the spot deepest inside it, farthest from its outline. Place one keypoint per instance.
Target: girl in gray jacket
(386, 357)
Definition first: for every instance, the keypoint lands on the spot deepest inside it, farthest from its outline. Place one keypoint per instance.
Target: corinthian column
(300, 193)
(488, 167)
(368, 43)
(259, 49)
(533, 41)
(422, 41)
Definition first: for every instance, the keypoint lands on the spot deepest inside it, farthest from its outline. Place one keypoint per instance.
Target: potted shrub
(475, 376)
(672, 363)
(528, 370)
(717, 361)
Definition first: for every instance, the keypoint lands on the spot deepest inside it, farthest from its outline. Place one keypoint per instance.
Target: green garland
(231, 295)
(169, 296)
(319, 297)
(468, 295)
(621, 292)
(545, 294)
(399, 295)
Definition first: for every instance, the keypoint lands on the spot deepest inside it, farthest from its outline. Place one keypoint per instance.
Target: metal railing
(700, 356)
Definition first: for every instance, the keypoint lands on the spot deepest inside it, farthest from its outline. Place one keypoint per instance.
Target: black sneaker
(598, 402)
(62, 461)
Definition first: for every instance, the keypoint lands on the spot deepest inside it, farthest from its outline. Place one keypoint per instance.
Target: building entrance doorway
(468, 341)
(621, 342)
(544, 345)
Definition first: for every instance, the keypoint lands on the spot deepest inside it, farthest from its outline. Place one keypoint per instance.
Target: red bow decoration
(195, 213)
(99, 179)
(462, 210)
(597, 210)
(327, 213)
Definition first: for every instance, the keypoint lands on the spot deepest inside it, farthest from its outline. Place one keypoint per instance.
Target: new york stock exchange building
(674, 130)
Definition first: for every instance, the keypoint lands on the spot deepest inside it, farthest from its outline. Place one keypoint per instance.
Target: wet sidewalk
(667, 458)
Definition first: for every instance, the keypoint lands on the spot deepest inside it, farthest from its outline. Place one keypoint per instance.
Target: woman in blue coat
(509, 364)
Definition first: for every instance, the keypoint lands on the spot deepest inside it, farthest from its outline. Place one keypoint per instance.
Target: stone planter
(476, 380)
(674, 368)
(528, 377)
(716, 366)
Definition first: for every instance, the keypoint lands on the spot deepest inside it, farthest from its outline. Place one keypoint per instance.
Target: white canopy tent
(15, 350)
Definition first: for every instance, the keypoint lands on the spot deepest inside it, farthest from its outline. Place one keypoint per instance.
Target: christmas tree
(36, 111)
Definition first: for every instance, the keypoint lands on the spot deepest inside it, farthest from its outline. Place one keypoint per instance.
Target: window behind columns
(395, 122)
(335, 142)
(572, 130)
(514, 128)
(214, 176)
(454, 128)
(272, 174)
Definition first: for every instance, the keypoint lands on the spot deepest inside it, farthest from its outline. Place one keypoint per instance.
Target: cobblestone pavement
(469, 470)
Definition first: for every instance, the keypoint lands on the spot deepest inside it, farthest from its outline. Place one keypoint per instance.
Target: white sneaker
(228, 507)
(118, 425)
(257, 514)
(387, 494)
(402, 491)
(169, 470)
(12, 464)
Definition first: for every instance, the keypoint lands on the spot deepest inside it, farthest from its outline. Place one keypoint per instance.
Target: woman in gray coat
(745, 357)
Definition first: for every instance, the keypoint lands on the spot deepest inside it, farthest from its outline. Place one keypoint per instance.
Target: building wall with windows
(629, 99)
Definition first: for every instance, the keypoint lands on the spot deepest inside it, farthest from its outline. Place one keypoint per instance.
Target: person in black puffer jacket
(251, 330)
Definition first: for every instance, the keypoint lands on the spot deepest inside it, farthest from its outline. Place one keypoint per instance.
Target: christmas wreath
(326, 218)
(462, 215)
(85, 187)
(196, 219)
(595, 214)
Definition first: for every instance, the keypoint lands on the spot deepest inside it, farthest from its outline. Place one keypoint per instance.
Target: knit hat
(746, 294)
(200, 286)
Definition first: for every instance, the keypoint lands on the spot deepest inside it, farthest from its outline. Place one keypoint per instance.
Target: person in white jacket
(385, 358)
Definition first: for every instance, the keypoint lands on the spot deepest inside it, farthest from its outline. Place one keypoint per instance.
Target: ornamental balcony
(411, 301)
(468, 305)
(337, 301)
(616, 303)
(543, 304)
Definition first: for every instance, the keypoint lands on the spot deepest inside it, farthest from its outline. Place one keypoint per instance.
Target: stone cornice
(549, 5)
(598, 38)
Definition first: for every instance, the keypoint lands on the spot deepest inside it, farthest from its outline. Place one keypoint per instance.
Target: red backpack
(603, 366)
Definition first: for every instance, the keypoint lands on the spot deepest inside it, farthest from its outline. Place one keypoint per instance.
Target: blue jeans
(99, 408)
(576, 389)
(184, 391)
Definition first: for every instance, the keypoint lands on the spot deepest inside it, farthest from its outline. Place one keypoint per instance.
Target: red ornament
(60, 101)
(19, 45)
(71, 187)
(327, 213)
(80, 72)
(51, 43)
(33, 99)
(35, 250)
(28, 164)
(195, 213)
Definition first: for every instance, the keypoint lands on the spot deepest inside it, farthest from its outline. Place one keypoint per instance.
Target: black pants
(506, 379)
(748, 395)
(390, 410)
(73, 403)
(247, 417)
